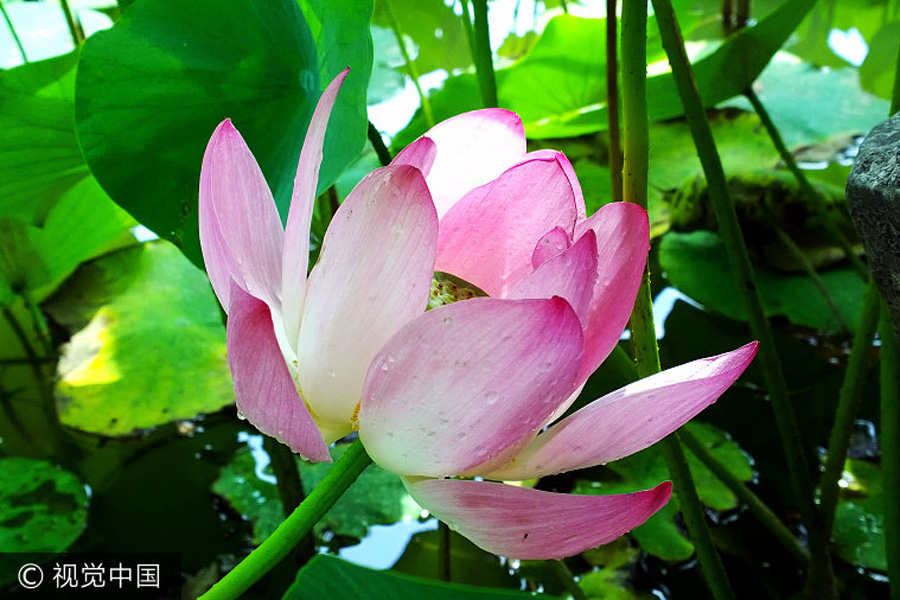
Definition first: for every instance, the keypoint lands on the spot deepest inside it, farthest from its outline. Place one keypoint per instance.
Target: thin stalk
(895, 96)
(821, 577)
(34, 361)
(811, 272)
(444, 571)
(410, 64)
(759, 509)
(565, 6)
(467, 27)
(39, 323)
(612, 102)
(384, 155)
(483, 57)
(12, 32)
(74, 28)
(890, 448)
(637, 128)
(290, 490)
(564, 574)
(822, 208)
(848, 405)
(294, 528)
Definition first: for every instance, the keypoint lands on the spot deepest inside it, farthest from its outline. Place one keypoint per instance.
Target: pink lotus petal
(623, 240)
(570, 275)
(265, 391)
(530, 524)
(420, 154)
(554, 242)
(473, 149)
(629, 419)
(468, 384)
(488, 237)
(240, 231)
(374, 274)
(295, 260)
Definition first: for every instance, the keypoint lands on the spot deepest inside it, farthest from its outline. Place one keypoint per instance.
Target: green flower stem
(848, 405)
(483, 57)
(467, 27)
(759, 509)
(895, 96)
(444, 572)
(821, 577)
(823, 209)
(290, 490)
(12, 32)
(294, 528)
(636, 166)
(410, 64)
(612, 102)
(384, 155)
(74, 29)
(890, 448)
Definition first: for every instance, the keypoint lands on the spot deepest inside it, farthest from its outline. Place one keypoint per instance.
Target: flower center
(447, 289)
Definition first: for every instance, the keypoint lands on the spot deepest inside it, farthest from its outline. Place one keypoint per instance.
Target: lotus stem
(612, 102)
(410, 64)
(294, 528)
(848, 405)
(635, 183)
(821, 578)
(384, 155)
(12, 32)
(890, 448)
(483, 57)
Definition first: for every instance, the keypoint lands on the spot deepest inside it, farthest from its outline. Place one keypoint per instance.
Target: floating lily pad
(660, 535)
(331, 578)
(696, 263)
(376, 498)
(148, 345)
(42, 507)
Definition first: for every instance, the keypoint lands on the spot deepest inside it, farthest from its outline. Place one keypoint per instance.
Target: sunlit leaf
(148, 344)
(859, 519)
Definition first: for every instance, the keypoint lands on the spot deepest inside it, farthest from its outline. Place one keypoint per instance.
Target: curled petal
(488, 237)
(473, 149)
(240, 231)
(623, 240)
(629, 419)
(295, 260)
(567, 168)
(265, 391)
(465, 385)
(373, 275)
(554, 242)
(420, 154)
(531, 524)
(570, 275)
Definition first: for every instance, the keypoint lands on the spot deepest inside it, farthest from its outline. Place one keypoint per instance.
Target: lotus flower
(474, 389)
(299, 347)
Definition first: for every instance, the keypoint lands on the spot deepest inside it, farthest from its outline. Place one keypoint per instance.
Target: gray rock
(873, 195)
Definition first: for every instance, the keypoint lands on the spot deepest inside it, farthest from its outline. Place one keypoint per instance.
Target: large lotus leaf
(696, 263)
(812, 38)
(42, 507)
(148, 344)
(151, 90)
(377, 498)
(331, 578)
(437, 34)
(809, 105)
(660, 535)
(558, 85)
